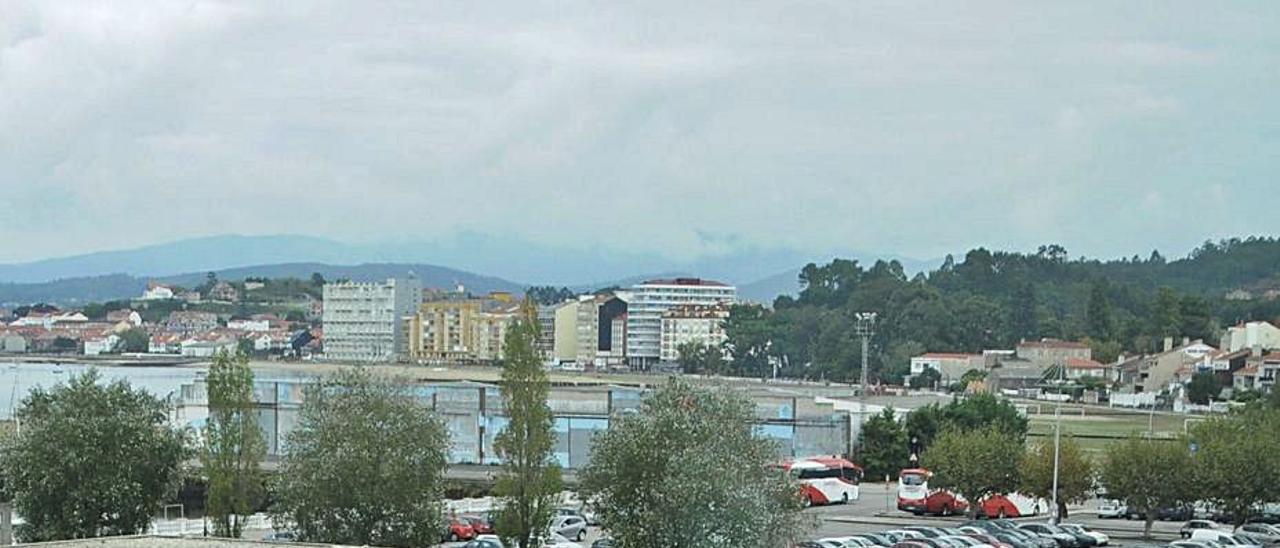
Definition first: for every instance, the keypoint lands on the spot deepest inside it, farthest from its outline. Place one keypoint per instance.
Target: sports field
(1096, 427)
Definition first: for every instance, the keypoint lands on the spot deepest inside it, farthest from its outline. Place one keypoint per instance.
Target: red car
(479, 524)
(459, 529)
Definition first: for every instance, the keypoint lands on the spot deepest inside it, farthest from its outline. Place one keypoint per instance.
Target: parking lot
(875, 511)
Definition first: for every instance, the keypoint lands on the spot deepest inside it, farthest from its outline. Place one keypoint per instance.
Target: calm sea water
(17, 379)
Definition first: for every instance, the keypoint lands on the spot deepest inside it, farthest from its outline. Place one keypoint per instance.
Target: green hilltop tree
(884, 446)
(365, 465)
(91, 460)
(233, 446)
(657, 478)
(529, 484)
(1075, 473)
(1148, 475)
(975, 463)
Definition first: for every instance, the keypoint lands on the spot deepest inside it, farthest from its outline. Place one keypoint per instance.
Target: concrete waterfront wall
(474, 414)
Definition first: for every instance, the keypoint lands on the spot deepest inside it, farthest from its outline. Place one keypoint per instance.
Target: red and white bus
(915, 496)
(825, 480)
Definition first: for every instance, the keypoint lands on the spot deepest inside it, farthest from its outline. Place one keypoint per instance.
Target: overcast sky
(681, 128)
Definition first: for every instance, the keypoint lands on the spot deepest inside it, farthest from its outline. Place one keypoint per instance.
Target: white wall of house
(1252, 334)
(105, 345)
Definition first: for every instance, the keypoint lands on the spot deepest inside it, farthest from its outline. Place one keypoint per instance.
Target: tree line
(976, 448)
(366, 462)
(993, 300)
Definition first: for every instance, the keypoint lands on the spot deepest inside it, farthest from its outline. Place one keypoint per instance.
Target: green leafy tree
(696, 358)
(664, 466)
(974, 464)
(923, 425)
(529, 484)
(926, 379)
(364, 465)
(135, 339)
(233, 445)
(1238, 461)
(1075, 473)
(884, 445)
(1148, 475)
(1203, 388)
(983, 410)
(91, 460)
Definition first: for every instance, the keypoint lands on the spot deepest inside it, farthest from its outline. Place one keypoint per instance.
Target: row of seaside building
(638, 327)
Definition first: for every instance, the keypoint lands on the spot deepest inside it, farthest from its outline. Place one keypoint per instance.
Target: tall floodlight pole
(1057, 434)
(865, 324)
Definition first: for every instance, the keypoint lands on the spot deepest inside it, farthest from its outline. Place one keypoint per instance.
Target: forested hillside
(994, 299)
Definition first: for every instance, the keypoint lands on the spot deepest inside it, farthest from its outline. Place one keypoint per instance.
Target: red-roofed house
(1075, 368)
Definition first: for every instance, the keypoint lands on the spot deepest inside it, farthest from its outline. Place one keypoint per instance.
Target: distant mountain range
(760, 274)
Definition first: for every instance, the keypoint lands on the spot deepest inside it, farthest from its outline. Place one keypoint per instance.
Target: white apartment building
(701, 325)
(1262, 335)
(651, 299)
(362, 321)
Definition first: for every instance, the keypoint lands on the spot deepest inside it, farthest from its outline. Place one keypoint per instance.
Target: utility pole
(864, 325)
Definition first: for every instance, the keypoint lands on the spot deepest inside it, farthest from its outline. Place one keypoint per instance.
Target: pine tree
(530, 483)
(233, 445)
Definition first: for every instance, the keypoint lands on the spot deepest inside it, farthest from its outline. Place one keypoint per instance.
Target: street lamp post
(865, 326)
(1057, 435)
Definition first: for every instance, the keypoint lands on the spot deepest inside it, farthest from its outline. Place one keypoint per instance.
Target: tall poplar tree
(233, 446)
(529, 484)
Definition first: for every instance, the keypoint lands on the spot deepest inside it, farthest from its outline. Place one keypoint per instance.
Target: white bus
(825, 480)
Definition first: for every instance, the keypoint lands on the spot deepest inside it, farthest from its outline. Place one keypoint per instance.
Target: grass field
(1098, 428)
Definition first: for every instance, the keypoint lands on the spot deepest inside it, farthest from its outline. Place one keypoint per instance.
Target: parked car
(965, 541)
(458, 530)
(1226, 539)
(480, 524)
(557, 541)
(878, 539)
(607, 542)
(1060, 536)
(925, 531)
(484, 541)
(569, 526)
(987, 538)
(1270, 533)
(1188, 527)
(1099, 539)
(1111, 509)
(1178, 513)
(1194, 544)
(281, 536)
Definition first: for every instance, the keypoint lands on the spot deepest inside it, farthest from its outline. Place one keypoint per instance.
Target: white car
(557, 541)
(1112, 509)
(957, 540)
(1227, 540)
(1099, 539)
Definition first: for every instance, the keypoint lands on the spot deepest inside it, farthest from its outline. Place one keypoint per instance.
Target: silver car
(570, 527)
